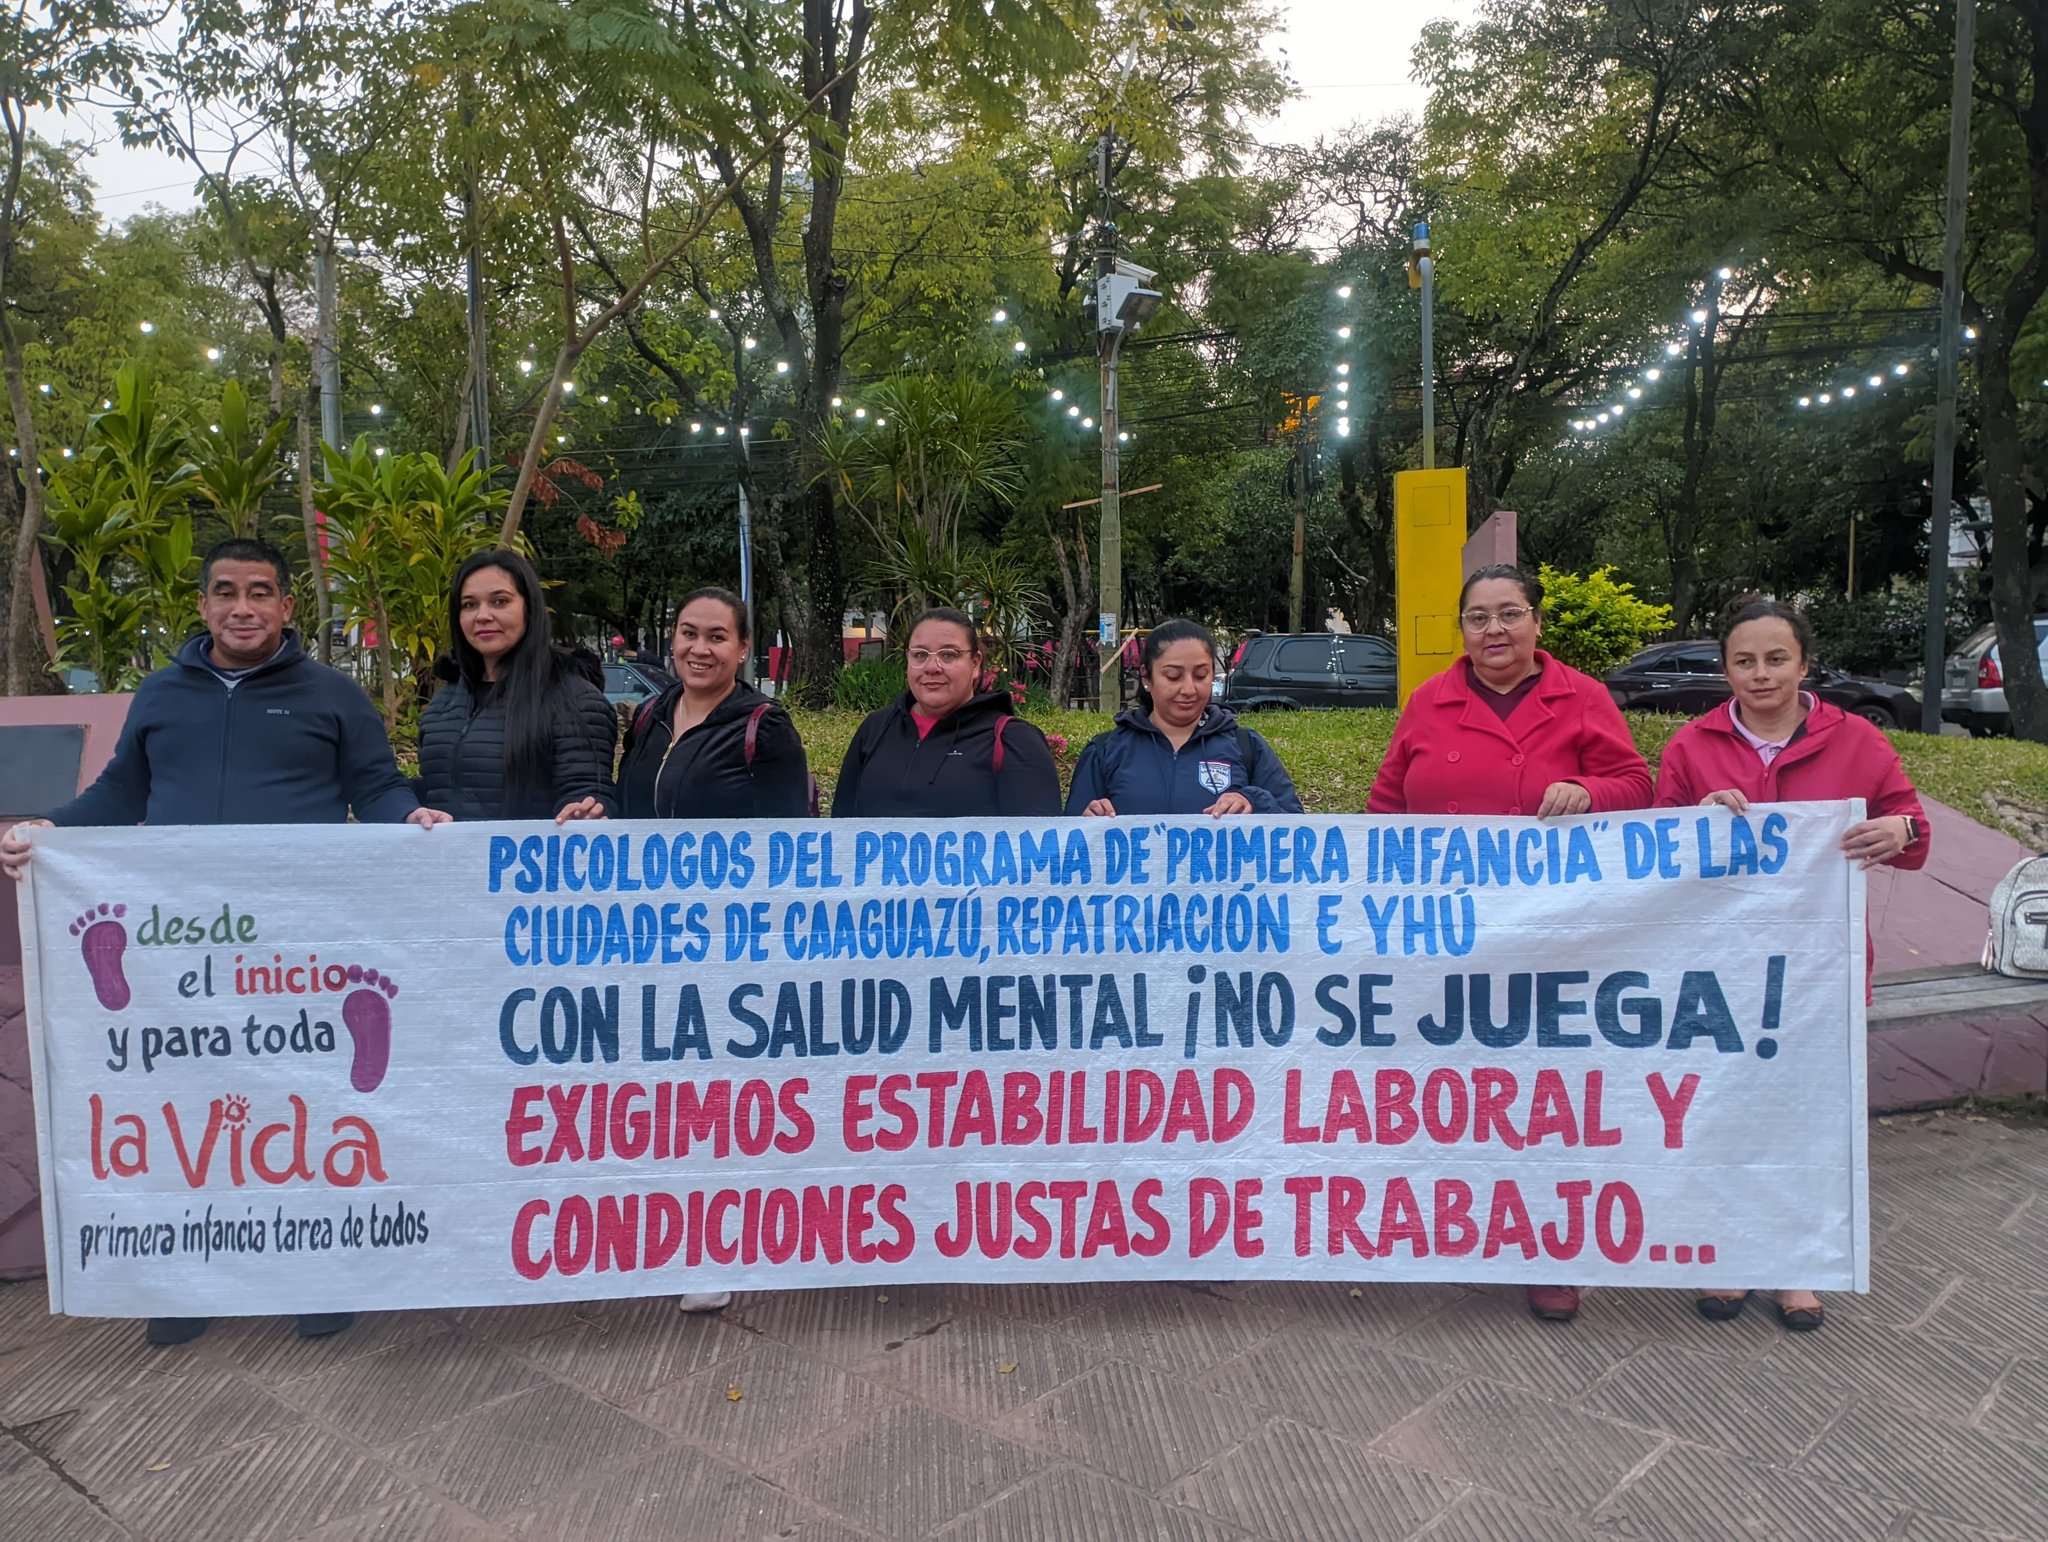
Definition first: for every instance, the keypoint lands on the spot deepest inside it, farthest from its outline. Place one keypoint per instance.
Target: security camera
(1132, 270)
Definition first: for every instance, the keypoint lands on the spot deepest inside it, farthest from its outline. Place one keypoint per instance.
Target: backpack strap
(754, 730)
(1244, 751)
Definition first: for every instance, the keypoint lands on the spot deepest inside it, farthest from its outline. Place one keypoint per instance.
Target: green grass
(1333, 755)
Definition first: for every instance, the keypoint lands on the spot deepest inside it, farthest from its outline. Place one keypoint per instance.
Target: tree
(55, 51)
(1858, 154)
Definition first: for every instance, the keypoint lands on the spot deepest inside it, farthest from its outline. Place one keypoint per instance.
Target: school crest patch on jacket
(1214, 775)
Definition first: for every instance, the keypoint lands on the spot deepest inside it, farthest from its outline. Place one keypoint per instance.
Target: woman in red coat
(1509, 730)
(1774, 743)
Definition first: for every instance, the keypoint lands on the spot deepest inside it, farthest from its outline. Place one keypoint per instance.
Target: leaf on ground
(1006, 1368)
(733, 1394)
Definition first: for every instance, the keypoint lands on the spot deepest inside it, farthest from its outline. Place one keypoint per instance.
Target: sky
(1349, 57)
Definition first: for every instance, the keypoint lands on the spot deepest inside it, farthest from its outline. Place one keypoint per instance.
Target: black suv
(1686, 677)
(1313, 669)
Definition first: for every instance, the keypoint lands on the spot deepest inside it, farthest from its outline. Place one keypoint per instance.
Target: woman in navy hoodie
(1176, 752)
(946, 750)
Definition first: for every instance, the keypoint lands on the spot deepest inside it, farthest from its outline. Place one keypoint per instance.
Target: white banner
(320, 1068)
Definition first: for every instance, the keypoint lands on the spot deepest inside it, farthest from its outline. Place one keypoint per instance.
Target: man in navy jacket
(243, 728)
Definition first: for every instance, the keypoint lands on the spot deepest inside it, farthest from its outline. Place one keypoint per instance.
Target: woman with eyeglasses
(946, 750)
(1507, 729)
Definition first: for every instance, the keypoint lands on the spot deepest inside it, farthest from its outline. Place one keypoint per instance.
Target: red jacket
(1838, 756)
(1452, 754)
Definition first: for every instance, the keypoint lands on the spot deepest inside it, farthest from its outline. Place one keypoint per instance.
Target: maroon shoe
(1554, 1303)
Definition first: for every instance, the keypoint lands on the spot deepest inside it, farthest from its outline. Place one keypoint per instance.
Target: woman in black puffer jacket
(522, 729)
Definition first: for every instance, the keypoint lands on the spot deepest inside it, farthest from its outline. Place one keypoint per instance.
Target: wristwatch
(1912, 828)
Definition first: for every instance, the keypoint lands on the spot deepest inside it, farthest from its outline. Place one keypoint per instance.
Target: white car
(1973, 686)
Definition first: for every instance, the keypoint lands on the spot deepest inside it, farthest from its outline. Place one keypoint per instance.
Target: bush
(1885, 631)
(868, 685)
(1594, 623)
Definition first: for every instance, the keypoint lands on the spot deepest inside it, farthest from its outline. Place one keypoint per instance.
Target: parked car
(1973, 686)
(1313, 669)
(632, 681)
(1686, 677)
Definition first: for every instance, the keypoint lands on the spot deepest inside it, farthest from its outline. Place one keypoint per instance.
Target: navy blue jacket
(1138, 770)
(293, 743)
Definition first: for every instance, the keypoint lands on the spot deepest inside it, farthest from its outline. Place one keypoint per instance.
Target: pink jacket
(1838, 756)
(1452, 754)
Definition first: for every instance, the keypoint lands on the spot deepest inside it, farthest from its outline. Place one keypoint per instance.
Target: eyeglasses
(946, 658)
(1509, 617)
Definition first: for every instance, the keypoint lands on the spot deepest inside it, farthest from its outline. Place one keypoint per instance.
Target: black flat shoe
(320, 1325)
(1722, 1308)
(1801, 1319)
(169, 1332)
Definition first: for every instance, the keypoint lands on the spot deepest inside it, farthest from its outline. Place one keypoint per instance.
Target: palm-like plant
(399, 527)
(238, 461)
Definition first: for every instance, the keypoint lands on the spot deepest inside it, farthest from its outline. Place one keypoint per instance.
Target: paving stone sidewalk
(1190, 1412)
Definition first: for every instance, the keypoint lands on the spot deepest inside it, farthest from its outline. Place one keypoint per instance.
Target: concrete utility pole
(1304, 456)
(479, 343)
(326, 362)
(1934, 653)
(1109, 565)
(1425, 266)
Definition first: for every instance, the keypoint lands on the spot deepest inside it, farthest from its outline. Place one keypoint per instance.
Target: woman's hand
(1876, 841)
(1564, 798)
(582, 808)
(1101, 808)
(16, 849)
(1229, 803)
(427, 818)
(1727, 798)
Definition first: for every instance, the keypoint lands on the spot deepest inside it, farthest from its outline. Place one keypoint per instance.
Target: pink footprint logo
(367, 1014)
(102, 939)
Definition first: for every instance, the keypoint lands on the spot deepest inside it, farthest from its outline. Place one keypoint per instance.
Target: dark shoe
(169, 1332)
(321, 1325)
(1722, 1308)
(1554, 1303)
(1800, 1319)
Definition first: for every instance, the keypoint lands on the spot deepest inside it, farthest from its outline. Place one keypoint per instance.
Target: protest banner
(296, 1069)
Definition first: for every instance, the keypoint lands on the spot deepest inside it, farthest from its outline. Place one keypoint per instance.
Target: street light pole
(1934, 650)
(1110, 540)
(1426, 267)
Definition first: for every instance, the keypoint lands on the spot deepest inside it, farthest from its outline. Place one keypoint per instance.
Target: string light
(213, 355)
(1058, 396)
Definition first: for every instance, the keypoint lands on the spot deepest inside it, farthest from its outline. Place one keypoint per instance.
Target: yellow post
(1429, 539)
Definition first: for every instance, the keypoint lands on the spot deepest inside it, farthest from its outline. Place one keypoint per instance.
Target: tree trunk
(2012, 599)
(22, 646)
(316, 563)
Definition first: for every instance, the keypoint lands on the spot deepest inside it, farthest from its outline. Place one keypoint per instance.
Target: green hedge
(1332, 756)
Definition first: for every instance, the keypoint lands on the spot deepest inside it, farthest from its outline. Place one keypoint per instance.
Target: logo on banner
(1214, 775)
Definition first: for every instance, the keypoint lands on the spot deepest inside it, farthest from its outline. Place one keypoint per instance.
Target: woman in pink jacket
(1507, 729)
(1774, 743)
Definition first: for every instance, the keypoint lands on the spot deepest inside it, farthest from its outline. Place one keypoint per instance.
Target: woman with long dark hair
(1177, 752)
(946, 750)
(710, 747)
(521, 730)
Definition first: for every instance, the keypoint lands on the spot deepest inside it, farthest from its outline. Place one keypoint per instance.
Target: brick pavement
(1192, 1412)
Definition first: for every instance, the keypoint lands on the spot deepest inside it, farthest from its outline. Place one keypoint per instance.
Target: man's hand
(16, 849)
(1101, 808)
(582, 808)
(427, 818)
(1229, 803)
(1564, 798)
